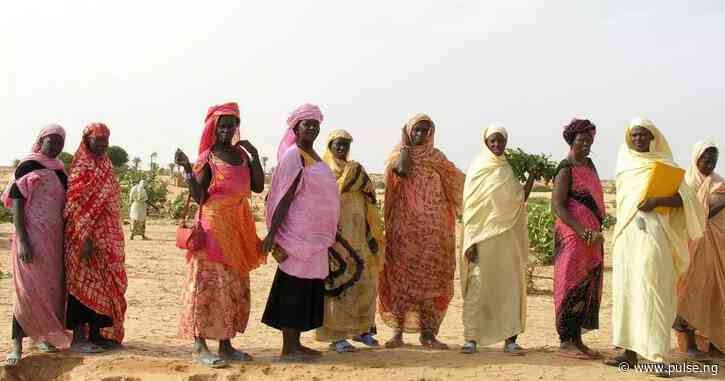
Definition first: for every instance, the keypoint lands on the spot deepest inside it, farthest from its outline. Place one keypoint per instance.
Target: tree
(118, 156)
(16, 162)
(171, 167)
(136, 162)
(66, 158)
(264, 163)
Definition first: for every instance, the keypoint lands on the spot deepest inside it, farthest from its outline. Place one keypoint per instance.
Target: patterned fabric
(578, 268)
(216, 301)
(416, 284)
(93, 211)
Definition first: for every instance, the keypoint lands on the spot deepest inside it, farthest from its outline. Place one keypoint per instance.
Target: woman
(303, 208)
(650, 248)
(352, 313)
(701, 290)
(138, 198)
(94, 247)
(495, 247)
(36, 195)
(578, 201)
(422, 200)
(216, 295)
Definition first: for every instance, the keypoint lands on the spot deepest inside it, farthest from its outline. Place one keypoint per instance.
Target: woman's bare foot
(297, 355)
(396, 341)
(430, 342)
(310, 351)
(592, 354)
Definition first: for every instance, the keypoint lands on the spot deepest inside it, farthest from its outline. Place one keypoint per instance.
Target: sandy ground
(152, 352)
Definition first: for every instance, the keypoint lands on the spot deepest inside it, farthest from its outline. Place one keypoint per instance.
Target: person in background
(303, 209)
(495, 248)
(578, 202)
(701, 290)
(216, 295)
(138, 198)
(36, 194)
(94, 247)
(352, 314)
(423, 198)
(650, 248)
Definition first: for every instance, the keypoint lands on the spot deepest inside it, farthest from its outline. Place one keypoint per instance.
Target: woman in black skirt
(303, 208)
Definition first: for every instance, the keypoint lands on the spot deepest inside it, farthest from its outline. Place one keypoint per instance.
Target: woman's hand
(267, 244)
(87, 249)
(374, 246)
(279, 254)
(597, 238)
(182, 160)
(472, 254)
(649, 204)
(25, 253)
(405, 139)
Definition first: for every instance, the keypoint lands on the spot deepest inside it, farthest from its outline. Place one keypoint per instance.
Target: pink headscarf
(304, 112)
(35, 155)
(208, 137)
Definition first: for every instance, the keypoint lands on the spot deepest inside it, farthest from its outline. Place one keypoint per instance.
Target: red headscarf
(93, 211)
(208, 137)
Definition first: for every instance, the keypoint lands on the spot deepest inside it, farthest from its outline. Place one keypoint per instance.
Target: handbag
(189, 234)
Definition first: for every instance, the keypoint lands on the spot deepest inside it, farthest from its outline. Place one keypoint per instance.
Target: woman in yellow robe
(352, 313)
(495, 248)
(701, 290)
(650, 248)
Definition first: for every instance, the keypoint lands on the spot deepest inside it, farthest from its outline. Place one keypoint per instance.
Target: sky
(150, 70)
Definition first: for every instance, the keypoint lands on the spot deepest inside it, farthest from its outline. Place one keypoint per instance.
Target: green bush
(118, 156)
(523, 162)
(609, 222)
(541, 230)
(176, 207)
(66, 158)
(156, 189)
(6, 215)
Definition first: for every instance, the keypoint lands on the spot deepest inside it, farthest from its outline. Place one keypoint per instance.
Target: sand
(152, 351)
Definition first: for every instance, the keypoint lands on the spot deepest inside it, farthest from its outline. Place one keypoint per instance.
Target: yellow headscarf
(693, 177)
(351, 176)
(493, 198)
(634, 170)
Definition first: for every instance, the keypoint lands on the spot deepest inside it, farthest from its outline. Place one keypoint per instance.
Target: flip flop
(368, 340)
(236, 356)
(46, 347)
(433, 343)
(210, 360)
(513, 349)
(13, 359)
(300, 357)
(342, 346)
(394, 343)
(469, 348)
(574, 355)
(86, 347)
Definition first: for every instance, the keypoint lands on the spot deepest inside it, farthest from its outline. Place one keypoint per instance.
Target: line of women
(339, 263)
(67, 248)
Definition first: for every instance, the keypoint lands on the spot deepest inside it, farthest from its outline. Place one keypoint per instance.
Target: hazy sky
(150, 69)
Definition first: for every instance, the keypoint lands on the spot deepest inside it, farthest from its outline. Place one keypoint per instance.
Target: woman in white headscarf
(650, 248)
(495, 248)
(138, 198)
(701, 290)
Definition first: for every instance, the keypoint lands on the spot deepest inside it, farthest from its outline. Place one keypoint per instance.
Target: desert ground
(152, 351)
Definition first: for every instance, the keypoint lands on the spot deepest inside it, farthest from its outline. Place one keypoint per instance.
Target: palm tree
(171, 167)
(136, 162)
(264, 163)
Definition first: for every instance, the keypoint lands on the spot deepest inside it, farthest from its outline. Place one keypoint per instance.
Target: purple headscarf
(577, 126)
(304, 112)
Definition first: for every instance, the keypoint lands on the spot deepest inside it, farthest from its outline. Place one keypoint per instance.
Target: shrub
(176, 207)
(541, 231)
(67, 159)
(6, 215)
(118, 156)
(156, 189)
(523, 162)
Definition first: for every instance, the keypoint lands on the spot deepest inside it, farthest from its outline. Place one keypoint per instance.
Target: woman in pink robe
(36, 195)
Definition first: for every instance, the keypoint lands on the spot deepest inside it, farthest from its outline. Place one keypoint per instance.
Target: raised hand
(181, 159)
(406, 137)
(248, 146)
(648, 205)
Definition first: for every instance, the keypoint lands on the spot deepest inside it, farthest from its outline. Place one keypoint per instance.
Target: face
(421, 131)
(496, 142)
(641, 138)
(582, 144)
(307, 130)
(97, 144)
(225, 128)
(708, 161)
(51, 145)
(340, 148)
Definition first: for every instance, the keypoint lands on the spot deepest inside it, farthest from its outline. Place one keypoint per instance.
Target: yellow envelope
(664, 182)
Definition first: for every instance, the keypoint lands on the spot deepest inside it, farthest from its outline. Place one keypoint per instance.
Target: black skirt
(295, 303)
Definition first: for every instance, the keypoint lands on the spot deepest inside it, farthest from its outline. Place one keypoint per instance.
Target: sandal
(395, 342)
(469, 348)
(236, 356)
(433, 343)
(85, 347)
(342, 346)
(209, 360)
(514, 349)
(368, 340)
(13, 359)
(619, 360)
(46, 347)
